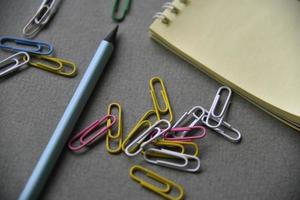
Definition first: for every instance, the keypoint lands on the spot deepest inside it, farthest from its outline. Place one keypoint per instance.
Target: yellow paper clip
(184, 145)
(54, 65)
(142, 124)
(158, 109)
(177, 146)
(167, 184)
(193, 145)
(117, 137)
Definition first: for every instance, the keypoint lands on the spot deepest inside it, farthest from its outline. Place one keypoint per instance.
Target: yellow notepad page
(251, 45)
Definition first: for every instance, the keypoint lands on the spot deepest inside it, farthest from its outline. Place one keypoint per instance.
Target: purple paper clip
(86, 137)
(172, 137)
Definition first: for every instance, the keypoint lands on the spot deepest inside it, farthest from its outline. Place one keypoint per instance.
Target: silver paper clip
(212, 115)
(184, 166)
(13, 63)
(147, 136)
(41, 17)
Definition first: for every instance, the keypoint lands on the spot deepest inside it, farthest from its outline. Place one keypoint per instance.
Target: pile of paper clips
(36, 54)
(158, 140)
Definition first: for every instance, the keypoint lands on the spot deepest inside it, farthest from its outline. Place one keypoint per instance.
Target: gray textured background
(264, 166)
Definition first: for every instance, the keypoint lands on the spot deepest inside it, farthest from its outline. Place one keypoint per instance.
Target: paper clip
(142, 140)
(171, 137)
(192, 145)
(158, 109)
(86, 136)
(35, 47)
(218, 117)
(55, 65)
(234, 139)
(170, 145)
(177, 146)
(116, 137)
(31, 28)
(172, 154)
(41, 17)
(142, 124)
(168, 185)
(123, 12)
(192, 114)
(183, 166)
(13, 63)
(46, 10)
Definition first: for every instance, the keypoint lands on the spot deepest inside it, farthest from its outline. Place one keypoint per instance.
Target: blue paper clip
(35, 47)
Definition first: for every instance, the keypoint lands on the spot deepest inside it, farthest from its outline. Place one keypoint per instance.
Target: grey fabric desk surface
(266, 165)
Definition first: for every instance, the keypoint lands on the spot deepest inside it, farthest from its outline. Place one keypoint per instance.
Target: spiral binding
(184, 1)
(173, 9)
(164, 19)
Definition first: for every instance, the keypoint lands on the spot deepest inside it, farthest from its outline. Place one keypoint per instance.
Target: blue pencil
(63, 130)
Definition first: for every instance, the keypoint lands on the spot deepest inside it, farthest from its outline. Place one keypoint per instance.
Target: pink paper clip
(86, 136)
(169, 136)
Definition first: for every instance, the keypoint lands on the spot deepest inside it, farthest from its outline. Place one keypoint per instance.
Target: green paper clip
(117, 14)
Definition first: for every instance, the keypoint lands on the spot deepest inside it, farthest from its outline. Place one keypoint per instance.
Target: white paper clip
(151, 134)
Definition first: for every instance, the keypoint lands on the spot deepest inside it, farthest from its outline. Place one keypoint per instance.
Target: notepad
(253, 46)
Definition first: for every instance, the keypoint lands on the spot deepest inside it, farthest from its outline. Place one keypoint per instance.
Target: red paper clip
(170, 137)
(86, 136)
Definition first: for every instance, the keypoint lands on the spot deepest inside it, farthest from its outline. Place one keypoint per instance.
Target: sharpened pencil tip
(111, 37)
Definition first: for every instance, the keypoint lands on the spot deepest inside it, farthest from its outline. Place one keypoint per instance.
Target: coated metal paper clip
(13, 63)
(117, 136)
(55, 65)
(143, 124)
(193, 117)
(157, 130)
(158, 109)
(183, 165)
(41, 17)
(169, 135)
(118, 14)
(35, 47)
(178, 146)
(168, 185)
(235, 136)
(212, 113)
(86, 136)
